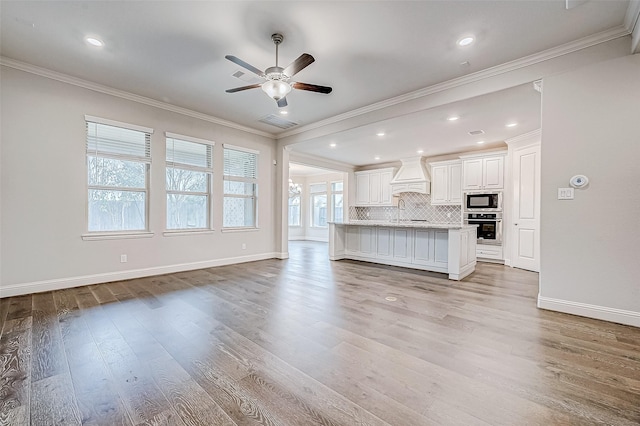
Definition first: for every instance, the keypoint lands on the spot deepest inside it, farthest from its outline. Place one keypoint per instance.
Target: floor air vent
(274, 120)
(476, 132)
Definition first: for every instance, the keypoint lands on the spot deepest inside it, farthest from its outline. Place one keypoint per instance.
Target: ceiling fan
(277, 84)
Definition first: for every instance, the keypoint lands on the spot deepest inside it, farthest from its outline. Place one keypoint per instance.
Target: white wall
(44, 191)
(590, 246)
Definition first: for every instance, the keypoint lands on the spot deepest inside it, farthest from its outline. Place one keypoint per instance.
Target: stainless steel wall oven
(489, 226)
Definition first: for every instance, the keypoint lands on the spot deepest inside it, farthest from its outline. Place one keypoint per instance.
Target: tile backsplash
(411, 206)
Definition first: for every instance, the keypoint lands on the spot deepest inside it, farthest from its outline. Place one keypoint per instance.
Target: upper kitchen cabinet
(446, 183)
(373, 187)
(483, 172)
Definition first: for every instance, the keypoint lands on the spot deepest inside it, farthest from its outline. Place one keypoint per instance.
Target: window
(318, 193)
(188, 182)
(240, 187)
(294, 210)
(336, 201)
(118, 160)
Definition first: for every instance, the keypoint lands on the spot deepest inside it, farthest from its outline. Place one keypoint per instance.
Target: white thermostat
(579, 181)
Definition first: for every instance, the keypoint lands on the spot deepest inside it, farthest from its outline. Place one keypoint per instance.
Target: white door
(526, 208)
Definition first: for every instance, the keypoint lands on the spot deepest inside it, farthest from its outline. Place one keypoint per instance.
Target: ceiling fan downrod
(277, 39)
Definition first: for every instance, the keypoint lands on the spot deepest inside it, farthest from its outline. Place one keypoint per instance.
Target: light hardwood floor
(309, 341)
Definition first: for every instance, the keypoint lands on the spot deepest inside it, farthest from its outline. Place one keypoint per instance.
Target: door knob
(515, 224)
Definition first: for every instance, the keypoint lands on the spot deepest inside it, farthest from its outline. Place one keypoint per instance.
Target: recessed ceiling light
(420, 151)
(465, 41)
(94, 41)
(332, 145)
(377, 157)
(453, 118)
(480, 142)
(284, 112)
(512, 124)
(380, 134)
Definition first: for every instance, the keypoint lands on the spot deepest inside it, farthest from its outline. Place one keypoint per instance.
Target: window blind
(241, 164)
(185, 153)
(106, 140)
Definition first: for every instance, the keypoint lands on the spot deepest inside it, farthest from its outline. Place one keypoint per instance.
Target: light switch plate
(565, 193)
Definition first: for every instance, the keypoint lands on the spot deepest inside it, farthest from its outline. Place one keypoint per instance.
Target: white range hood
(413, 176)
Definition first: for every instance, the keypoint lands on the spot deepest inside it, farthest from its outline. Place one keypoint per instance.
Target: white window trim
(299, 212)
(108, 122)
(333, 207)
(188, 138)
(115, 235)
(184, 231)
(240, 148)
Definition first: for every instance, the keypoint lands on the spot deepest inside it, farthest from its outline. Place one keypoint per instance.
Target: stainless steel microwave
(483, 201)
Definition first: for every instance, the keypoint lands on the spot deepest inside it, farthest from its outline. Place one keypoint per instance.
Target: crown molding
(524, 137)
(314, 161)
(64, 78)
(563, 49)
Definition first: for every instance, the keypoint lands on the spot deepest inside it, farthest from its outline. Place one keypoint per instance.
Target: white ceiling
(367, 51)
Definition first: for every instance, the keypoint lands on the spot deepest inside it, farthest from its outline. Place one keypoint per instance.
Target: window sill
(182, 232)
(251, 229)
(318, 227)
(94, 236)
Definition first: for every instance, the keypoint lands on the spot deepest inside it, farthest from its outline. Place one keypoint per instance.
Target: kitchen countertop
(405, 224)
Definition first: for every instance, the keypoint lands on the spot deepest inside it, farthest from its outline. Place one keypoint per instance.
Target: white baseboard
(61, 283)
(590, 311)
(283, 255)
(297, 238)
(320, 239)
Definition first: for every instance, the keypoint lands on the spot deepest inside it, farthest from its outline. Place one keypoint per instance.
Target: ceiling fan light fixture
(276, 89)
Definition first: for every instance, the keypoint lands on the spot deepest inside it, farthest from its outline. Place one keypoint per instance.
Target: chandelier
(294, 188)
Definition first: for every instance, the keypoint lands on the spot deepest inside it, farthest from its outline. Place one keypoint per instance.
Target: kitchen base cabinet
(449, 250)
(489, 253)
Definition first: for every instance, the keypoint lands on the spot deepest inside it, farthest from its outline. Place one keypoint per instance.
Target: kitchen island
(445, 248)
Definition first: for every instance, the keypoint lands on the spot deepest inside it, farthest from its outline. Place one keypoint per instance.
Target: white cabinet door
(385, 187)
(483, 173)
(472, 174)
(441, 247)
(402, 244)
(455, 183)
(374, 188)
(384, 244)
(493, 174)
(368, 241)
(352, 239)
(439, 184)
(362, 188)
(422, 247)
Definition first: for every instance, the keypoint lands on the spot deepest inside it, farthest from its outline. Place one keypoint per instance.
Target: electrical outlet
(244, 246)
(123, 258)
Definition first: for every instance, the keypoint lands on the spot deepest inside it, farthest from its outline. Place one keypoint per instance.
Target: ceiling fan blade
(282, 102)
(245, 65)
(311, 87)
(240, 89)
(299, 64)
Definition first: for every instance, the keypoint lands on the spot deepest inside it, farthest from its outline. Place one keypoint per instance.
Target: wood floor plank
(310, 341)
(48, 357)
(53, 402)
(15, 371)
